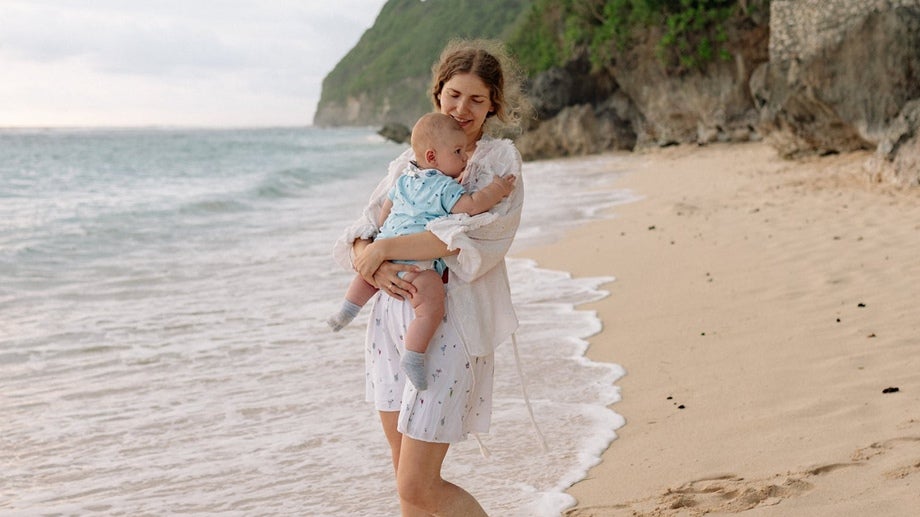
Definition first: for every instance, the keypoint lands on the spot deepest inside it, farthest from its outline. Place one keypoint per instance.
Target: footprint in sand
(730, 493)
(910, 468)
(903, 472)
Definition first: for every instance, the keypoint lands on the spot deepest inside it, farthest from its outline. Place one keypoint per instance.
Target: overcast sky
(171, 62)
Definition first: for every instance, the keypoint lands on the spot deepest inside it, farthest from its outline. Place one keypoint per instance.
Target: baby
(427, 190)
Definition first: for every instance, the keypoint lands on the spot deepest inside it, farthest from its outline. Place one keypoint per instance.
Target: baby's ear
(430, 156)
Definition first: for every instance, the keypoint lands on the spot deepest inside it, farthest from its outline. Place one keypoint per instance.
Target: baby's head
(439, 143)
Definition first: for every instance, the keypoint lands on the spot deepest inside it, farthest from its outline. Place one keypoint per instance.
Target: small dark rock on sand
(893, 389)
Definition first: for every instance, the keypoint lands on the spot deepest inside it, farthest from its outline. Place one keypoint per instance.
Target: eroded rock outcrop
(897, 157)
(578, 112)
(578, 130)
(648, 105)
(710, 105)
(841, 76)
(395, 132)
(840, 71)
(822, 76)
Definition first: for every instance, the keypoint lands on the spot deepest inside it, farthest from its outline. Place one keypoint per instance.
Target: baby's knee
(430, 307)
(429, 295)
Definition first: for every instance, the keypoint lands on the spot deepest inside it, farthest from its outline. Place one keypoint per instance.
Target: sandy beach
(766, 313)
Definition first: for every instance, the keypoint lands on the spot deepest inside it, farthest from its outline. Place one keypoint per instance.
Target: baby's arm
(483, 200)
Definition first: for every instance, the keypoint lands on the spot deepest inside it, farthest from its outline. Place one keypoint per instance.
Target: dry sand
(760, 308)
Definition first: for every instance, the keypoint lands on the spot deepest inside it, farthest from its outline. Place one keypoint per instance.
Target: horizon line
(168, 127)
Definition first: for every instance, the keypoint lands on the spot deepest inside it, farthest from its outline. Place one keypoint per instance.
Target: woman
(475, 84)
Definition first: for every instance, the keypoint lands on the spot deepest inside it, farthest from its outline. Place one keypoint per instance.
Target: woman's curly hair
(489, 60)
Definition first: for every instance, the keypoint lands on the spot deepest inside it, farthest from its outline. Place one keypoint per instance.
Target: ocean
(162, 345)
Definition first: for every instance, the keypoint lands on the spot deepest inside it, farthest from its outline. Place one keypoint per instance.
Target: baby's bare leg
(358, 294)
(428, 303)
(359, 291)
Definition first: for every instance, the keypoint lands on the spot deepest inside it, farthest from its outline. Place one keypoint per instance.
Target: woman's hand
(368, 258)
(386, 278)
(371, 263)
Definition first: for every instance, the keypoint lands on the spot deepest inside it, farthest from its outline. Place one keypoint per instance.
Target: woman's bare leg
(394, 437)
(418, 478)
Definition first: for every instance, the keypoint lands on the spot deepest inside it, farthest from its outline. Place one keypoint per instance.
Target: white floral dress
(458, 400)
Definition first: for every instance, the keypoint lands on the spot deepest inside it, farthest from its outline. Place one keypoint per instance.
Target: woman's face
(467, 99)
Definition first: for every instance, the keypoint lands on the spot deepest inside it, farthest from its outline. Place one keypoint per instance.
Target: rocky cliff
(809, 76)
(815, 77)
(649, 105)
(845, 75)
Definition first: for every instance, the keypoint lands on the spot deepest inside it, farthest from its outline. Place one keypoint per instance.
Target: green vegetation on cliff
(687, 34)
(395, 56)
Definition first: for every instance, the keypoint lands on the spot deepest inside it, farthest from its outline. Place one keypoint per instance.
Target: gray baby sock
(413, 363)
(347, 313)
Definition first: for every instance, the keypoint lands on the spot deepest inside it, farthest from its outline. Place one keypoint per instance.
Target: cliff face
(809, 76)
(384, 78)
(817, 77)
(845, 75)
(651, 106)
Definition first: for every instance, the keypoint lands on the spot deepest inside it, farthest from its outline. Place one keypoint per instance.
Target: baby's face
(451, 153)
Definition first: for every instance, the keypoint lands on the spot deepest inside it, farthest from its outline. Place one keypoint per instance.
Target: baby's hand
(504, 184)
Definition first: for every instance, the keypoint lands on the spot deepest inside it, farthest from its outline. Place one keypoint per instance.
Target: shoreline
(760, 308)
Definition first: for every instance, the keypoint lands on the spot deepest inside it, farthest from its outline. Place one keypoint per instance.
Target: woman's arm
(372, 259)
(417, 246)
